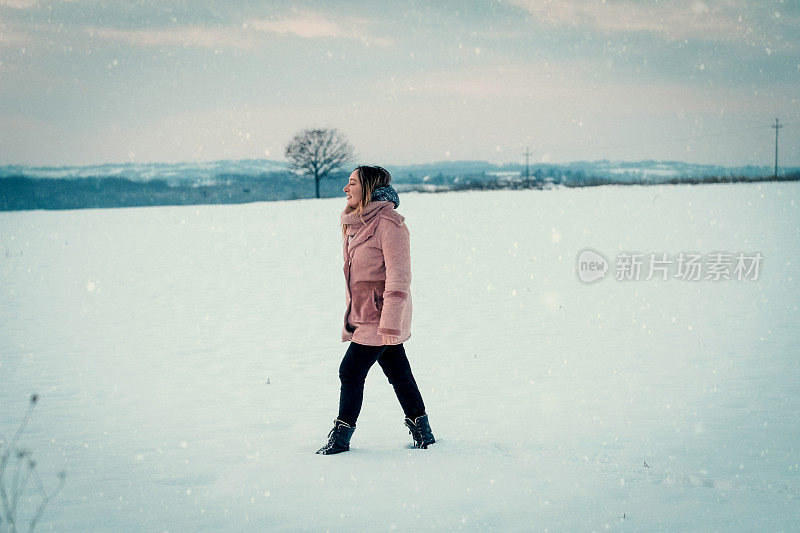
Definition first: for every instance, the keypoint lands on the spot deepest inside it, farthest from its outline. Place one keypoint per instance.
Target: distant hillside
(258, 180)
(207, 173)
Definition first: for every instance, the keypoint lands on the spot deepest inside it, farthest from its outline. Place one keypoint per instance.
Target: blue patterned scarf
(386, 193)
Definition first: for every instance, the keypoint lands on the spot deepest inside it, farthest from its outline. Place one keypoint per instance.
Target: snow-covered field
(187, 360)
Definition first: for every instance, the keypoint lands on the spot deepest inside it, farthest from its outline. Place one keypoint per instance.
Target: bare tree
(318, 152)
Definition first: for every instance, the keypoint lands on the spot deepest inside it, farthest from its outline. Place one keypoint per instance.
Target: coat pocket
(377, 302)
(367, 301)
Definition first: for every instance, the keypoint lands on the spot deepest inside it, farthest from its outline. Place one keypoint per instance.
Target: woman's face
(353, 190)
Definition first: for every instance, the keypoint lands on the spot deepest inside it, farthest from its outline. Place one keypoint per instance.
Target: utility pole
(777, 126)
(526, 154)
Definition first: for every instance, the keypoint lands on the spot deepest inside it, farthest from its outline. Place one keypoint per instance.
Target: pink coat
(377, 273)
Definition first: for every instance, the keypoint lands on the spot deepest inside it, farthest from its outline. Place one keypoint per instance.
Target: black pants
(357, 361)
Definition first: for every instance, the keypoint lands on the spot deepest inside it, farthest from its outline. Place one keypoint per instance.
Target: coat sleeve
(396, 246)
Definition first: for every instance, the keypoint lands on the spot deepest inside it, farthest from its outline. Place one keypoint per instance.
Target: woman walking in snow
(377, 320)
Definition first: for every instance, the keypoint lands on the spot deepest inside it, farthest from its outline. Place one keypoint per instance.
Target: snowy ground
(186, 360)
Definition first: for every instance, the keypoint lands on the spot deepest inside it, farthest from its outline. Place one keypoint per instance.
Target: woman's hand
(388, 339)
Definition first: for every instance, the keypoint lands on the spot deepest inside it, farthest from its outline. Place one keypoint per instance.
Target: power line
(656, 140)
(680, 139)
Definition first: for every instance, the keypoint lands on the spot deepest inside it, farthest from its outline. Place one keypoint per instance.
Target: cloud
(671, 20)
(500, 81)
(304, 24)
(26, 4)
(186, 36)
(11, 37)
(19, 4)
(311, 25)
(566, 85)
(307, 25)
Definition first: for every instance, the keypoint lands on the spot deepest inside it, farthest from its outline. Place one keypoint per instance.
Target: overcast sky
(86, 81)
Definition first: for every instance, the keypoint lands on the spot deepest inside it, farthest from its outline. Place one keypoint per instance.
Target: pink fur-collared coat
(377, 273)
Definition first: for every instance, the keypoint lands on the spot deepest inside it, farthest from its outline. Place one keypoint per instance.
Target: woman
(377, 320)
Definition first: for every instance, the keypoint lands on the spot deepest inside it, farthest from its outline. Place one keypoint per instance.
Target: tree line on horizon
(26, 193)
(320, 155)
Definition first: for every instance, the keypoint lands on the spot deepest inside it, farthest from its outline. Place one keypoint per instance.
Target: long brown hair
(371, 177)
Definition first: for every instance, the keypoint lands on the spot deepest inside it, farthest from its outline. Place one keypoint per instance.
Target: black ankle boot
(421, 431)
(338, 438)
